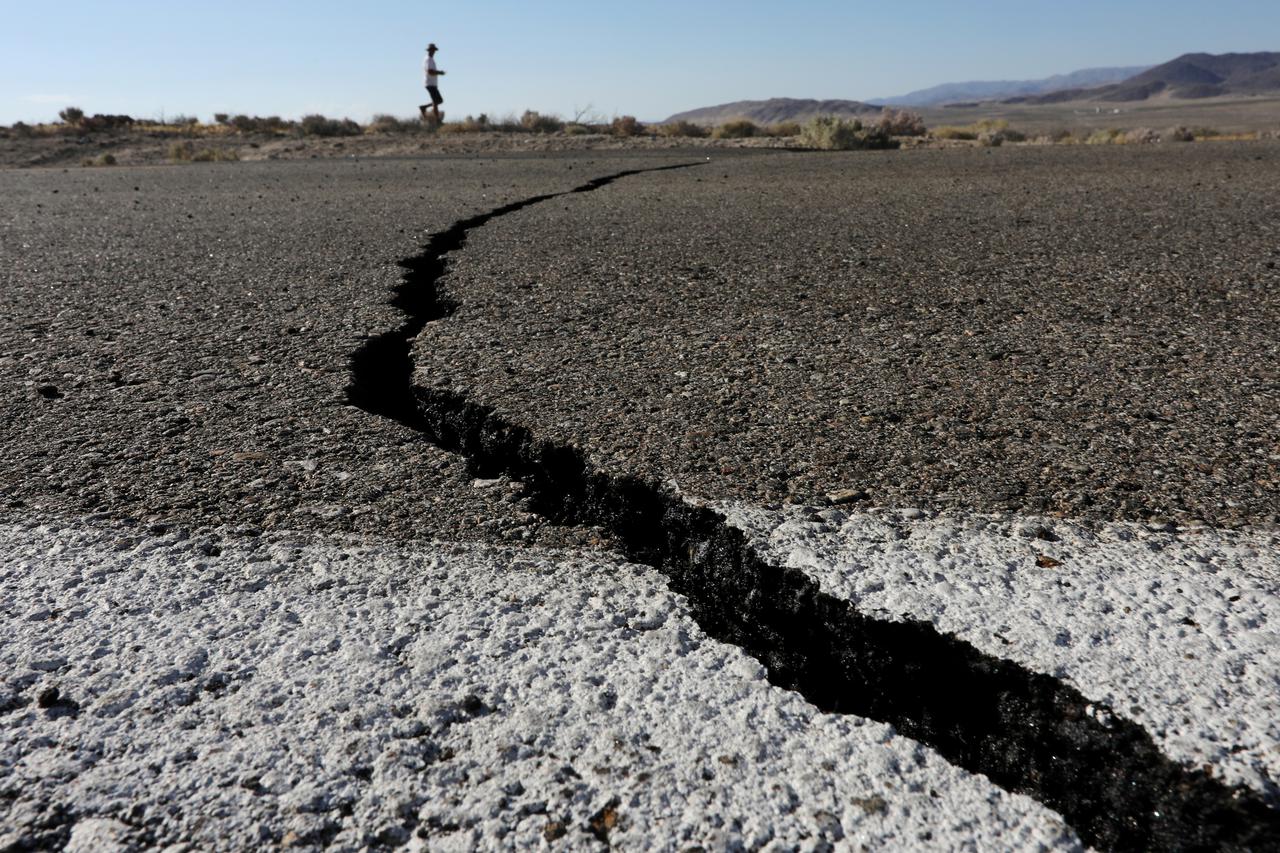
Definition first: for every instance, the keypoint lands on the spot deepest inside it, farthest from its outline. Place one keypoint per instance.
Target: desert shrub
(626, 126)
(1179, 134)
(215, 155)
(383, 123)
(506, 124)
(577, 129)
(186, 152)
(953, 132)
(71, 115)
(988, 132)
(470, 124)
(682, 128)
(832, 133)
(536, 122)
(1105, 137)
(257, 124)
(100, 122)
(741, 128)
(901, 123)
(318, 125)
(1140, 136)
(100, 160)
(221, 118)
(21, 129)
(783, 129)
(829, 133)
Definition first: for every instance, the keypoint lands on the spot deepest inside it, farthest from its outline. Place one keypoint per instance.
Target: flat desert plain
(722, 499)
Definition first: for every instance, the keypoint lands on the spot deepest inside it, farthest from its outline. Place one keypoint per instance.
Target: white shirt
(429, 71)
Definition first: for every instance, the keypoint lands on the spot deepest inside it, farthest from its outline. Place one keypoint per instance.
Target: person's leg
(436, 100)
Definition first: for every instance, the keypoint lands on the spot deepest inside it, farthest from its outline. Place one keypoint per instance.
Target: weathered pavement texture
(866, 329)
(175, 344)
(1088, 332)
(228, 693)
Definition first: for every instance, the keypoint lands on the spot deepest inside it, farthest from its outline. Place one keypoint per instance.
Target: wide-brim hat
(432, 46)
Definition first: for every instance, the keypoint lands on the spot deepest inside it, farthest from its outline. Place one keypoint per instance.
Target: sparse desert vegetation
(187, 152)
(742, 128)
(830, 133)
(79, 137)
(100, 160)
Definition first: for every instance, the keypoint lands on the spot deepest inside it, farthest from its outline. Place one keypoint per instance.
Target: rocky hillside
(775, 110)
(1192, 75)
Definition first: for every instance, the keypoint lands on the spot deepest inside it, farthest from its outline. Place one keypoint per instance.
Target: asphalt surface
(307, 692)
(175, 344)
(1088, 333)
(1077, 331)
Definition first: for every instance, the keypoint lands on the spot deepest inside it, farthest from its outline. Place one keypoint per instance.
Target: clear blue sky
(649, 58)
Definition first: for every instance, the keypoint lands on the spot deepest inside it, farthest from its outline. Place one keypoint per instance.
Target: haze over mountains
(994, 90)
(1190, 76)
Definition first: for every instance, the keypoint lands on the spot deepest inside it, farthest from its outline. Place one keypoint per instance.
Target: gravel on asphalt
(221, 692)
(175, 344)
(1078, 331)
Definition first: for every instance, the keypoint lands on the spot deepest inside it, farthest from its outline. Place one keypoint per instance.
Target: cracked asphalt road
(175, 344)
(1084, 332)
(1053, 331)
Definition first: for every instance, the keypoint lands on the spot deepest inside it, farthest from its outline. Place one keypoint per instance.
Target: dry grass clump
(782, 129)
(535, 122)
(831, 133)
(1110, 136)
(626, 126)
(989, 132)
(100, 160)
(1140, 136)
(318, 125)
(384, 123)
(901, 123)
(949, 131)
(470, 124)
(186, 152)
(741, 128)
(683, 128)
(258, 124)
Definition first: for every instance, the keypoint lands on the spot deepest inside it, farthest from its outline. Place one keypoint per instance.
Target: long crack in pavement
(1029, 732)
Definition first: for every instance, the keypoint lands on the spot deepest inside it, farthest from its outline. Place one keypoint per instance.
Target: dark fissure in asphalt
(1030, 733)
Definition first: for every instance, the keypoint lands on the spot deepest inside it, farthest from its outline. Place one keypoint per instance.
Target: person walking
(432, 76)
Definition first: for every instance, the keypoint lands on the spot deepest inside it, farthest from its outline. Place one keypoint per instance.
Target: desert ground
(715, 498)
(1231, 114)
(149, 143)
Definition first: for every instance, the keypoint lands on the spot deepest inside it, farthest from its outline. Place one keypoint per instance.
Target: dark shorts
(434, 92)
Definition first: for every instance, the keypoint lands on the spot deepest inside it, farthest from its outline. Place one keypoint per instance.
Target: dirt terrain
(1228, 115)
(151, 149)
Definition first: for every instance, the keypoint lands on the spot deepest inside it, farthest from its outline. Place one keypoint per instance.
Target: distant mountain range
(998, 90)
(1193, 75)
(775, 110)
